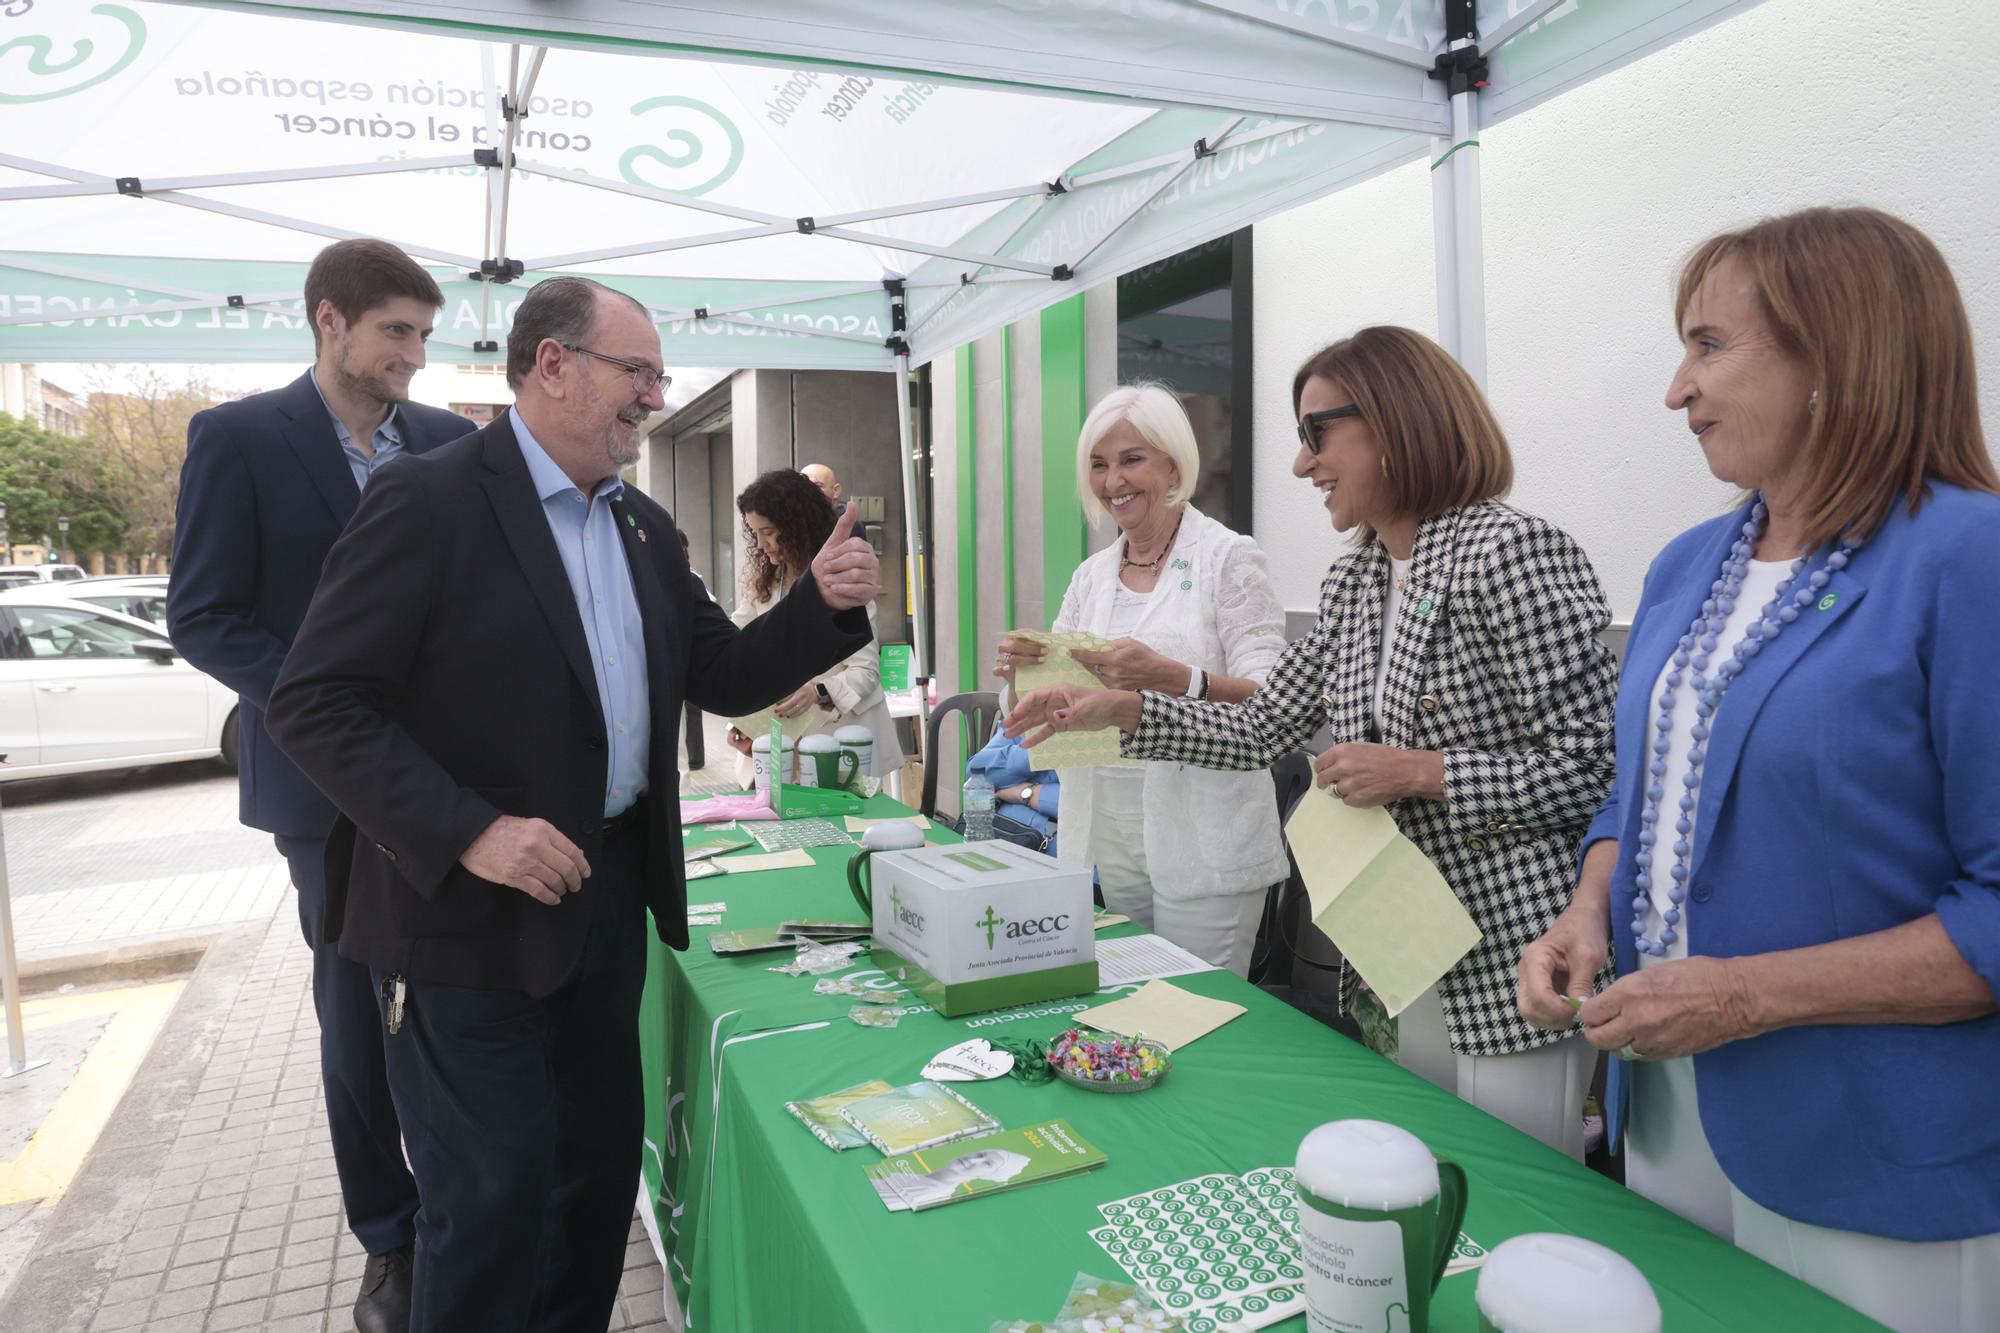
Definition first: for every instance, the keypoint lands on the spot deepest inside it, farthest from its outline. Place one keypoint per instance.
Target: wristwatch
(1027, 794)
(825, 699)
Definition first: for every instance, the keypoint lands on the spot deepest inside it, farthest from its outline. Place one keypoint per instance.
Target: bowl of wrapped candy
(1105, 1062)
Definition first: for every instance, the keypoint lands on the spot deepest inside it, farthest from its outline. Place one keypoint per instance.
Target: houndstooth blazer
(1498, 664)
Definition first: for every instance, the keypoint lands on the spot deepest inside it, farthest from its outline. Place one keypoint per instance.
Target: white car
(84, 689)
(141, 595)
(14, 576)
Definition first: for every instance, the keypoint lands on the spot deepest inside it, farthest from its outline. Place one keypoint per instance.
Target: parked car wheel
(228, 755)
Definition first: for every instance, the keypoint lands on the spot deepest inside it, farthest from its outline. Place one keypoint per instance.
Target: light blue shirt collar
(391, 425)
(551, 480)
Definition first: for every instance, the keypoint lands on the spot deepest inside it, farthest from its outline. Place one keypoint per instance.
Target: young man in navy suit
(268, 485)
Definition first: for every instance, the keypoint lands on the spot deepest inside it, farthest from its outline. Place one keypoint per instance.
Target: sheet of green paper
(1069, 749)
(1378, 898)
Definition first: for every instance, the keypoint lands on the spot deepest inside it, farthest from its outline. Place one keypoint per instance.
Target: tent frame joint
(898, 345)
(1201, 150)
(1464, 70)
(806, 226)
(133, 186)
(1056, 187)
(499, 270)
(485, 345)
(1062, 273)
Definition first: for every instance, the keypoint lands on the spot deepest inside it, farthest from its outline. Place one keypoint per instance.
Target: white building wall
(1591, 201)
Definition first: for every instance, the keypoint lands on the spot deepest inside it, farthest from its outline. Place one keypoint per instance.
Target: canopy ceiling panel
(167, 169)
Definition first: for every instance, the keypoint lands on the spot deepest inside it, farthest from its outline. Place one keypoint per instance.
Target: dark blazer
(264, 492)
(442, 679)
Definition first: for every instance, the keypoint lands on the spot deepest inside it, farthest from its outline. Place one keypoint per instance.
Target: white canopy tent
(817, 184)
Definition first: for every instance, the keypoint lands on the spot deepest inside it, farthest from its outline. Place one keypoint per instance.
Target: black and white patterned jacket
(1498, 664)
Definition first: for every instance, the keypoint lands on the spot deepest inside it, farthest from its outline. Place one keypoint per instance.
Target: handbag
(1014, 831)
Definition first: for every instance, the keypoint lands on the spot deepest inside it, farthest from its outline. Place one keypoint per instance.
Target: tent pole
(1455, 213)
(1468, 236)
(914, 540)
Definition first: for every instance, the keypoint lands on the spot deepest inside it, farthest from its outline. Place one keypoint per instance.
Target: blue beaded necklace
(1690, 666)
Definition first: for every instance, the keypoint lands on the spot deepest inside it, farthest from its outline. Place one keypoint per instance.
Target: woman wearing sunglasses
(1458, 667)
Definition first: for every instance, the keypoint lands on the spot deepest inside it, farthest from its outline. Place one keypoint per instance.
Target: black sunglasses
(1310, 423)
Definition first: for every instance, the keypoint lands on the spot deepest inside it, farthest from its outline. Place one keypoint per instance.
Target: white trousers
(1538, 1092)
(1947, 1286)
(1220, 929)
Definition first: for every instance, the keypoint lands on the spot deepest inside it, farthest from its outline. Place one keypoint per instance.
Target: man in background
(268, 484)
(820, 475)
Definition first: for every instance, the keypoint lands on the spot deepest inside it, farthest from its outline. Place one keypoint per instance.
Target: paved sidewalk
(108, 865)
(210, 1199)
(211, 1202)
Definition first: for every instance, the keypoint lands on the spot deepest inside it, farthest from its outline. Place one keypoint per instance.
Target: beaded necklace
(1690, 666)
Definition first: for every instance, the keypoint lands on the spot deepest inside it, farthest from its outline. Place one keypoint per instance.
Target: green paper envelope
(1378, 898)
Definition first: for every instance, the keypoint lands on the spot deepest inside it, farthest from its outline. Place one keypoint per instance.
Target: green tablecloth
(764, 1228)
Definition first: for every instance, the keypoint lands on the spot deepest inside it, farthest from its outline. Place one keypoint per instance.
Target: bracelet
(1193, 690)
(1204, 686)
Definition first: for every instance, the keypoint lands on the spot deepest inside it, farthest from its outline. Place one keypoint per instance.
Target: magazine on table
(933, 1177)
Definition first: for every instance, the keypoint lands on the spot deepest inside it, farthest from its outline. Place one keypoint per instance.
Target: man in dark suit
(268, 484)
(489, 685)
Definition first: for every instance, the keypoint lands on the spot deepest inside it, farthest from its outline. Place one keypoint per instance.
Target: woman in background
(786, 519)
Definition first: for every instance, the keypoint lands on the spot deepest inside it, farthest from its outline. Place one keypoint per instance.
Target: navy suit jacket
(264, 492)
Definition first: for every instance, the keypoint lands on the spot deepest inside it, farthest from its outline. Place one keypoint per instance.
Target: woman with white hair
(1189, 609)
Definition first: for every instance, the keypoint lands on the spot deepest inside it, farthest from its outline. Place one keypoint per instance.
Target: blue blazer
(1852, 784)
(264, 492)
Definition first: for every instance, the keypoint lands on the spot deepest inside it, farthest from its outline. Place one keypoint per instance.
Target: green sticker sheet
(1207, 1250)
(1222, 1251)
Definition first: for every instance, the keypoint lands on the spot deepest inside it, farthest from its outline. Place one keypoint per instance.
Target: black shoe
(384, 1303)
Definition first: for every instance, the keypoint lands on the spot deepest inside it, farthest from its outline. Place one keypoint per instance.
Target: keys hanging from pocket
(393, 991)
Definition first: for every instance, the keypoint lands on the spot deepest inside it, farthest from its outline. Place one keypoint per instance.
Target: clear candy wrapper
(854, 989)
(874, 1016)
(1098, 1306)
(815, 960)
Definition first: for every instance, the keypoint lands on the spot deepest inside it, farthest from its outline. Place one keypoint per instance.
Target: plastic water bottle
(976, 806)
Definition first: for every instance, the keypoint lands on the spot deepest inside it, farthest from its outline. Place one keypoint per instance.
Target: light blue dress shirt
(388, 442)
(593, 557)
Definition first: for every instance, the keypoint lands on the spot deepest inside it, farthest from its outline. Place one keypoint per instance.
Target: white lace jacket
(1208, 832)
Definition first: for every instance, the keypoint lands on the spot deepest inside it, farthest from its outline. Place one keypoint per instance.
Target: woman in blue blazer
(1799, 866)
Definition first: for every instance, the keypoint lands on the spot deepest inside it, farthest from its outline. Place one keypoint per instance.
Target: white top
(1759, 582)
(1126, 608)
(1206, 832)
(1399, 574)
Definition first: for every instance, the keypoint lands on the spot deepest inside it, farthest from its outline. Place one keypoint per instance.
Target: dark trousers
(524, 1118)
(379, 1193)
(696, 755)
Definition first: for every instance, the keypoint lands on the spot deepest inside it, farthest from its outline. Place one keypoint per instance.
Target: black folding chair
(978, 711)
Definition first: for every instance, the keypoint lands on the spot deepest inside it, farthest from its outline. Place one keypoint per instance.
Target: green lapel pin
(1826, 603)
(1424, 607)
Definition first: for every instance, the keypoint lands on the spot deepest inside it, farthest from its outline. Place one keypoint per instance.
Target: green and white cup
(823, 763)
(1378, 1217)
(1546, 1283)
(860, 741)
(760, 763)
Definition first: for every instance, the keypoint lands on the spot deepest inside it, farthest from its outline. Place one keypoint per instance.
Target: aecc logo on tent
(699, 149)
(44, 73)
